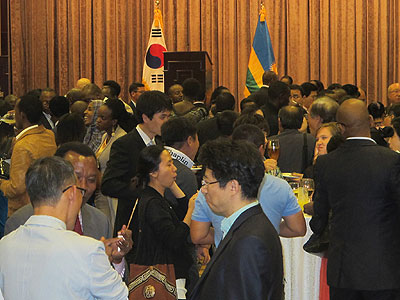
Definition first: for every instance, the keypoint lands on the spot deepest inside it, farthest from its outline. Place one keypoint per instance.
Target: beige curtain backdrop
(53, 43)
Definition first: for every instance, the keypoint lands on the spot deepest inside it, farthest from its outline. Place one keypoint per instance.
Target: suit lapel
(87, 224)
(224, 243)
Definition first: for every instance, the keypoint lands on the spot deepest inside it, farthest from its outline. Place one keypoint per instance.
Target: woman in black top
(164, 239)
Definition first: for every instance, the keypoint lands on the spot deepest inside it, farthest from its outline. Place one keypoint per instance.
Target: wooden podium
(179, 66)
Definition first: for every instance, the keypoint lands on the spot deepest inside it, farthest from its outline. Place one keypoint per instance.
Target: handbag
(150, 282)
(317, 243)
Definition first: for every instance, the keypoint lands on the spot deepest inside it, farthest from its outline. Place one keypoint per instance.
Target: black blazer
(360, 183)
(247, 264)
(271, 115)
(120, 171)
(164, 238)
(291, 158)
(43, 121)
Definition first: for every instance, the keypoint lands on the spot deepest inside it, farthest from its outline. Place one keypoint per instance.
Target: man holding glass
(44, 259)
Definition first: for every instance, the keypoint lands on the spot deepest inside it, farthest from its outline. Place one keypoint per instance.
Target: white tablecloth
(301, 270)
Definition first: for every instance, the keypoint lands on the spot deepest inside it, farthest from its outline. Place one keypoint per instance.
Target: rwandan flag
(261, 56)
(153, 68)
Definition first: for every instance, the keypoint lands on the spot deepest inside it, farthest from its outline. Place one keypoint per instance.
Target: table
(301, 269)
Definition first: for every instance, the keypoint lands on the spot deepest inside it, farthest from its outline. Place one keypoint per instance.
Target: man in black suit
(278, 97)
(47, 119)
(248, 262)
(135, 90)
(261, 96)
(119, 179)
(296, 148)
(360, 183)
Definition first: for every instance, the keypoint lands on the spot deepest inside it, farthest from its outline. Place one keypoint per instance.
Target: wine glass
(273, 149)
(308, 185)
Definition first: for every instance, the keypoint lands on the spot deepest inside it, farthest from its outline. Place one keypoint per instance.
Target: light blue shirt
(42, 260)
(227, 223)
(276, 199)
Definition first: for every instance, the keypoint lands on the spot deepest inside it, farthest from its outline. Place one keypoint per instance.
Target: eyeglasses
(205, 183)
(82, 190)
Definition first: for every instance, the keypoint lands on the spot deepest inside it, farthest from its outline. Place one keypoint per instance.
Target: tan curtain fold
(53, 43)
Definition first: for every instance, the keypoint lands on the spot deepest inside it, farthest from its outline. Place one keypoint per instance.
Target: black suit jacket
(271, 115)
(247, 264)
(360, 183)
(94, 223)
(120, 171)
(291, 158)
(43, 121)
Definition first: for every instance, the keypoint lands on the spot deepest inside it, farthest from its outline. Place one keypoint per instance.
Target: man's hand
(203, 256)
(309, 208)
(117, 248)
(270, 164)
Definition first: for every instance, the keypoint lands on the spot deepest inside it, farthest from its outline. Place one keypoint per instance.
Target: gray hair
(46, 178)
(326, 108)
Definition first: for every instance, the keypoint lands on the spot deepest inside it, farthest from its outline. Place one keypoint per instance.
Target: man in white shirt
(119, 179)
(44, 259)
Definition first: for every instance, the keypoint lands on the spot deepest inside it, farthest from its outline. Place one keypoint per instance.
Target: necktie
(78, 227)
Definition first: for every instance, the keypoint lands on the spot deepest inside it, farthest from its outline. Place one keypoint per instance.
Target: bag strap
(141, 213)
(305, 152)
(133, 210)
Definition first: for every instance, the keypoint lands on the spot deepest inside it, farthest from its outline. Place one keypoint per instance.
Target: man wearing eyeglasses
(248, 261)
(44, 259)
(90, 221)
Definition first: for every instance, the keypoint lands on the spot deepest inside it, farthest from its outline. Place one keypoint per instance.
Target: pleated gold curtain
(53, 42)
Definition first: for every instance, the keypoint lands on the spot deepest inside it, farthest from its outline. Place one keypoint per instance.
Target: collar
(48, 117)
(127, 107)
(360, 138)
(25, 130)
(147, 141)
(265, 85)
(80, 218)
(180, 156)
(290, 131)
(227, 223)
(46, 221)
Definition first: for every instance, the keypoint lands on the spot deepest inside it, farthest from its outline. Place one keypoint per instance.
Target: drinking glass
(308, 185)
(273, 149)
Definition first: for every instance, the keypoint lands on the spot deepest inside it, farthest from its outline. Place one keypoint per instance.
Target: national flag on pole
(153, 68)
(261, 56)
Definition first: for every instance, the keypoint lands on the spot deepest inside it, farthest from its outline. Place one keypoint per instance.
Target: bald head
(394, 93)
(82, 82)
(354, 117)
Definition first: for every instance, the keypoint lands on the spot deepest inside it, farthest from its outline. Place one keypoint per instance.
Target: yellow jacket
(31, 145)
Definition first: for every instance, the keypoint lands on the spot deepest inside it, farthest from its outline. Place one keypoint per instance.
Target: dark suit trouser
(347, 294)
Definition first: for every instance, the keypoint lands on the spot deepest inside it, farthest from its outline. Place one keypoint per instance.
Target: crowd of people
(94, 186)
